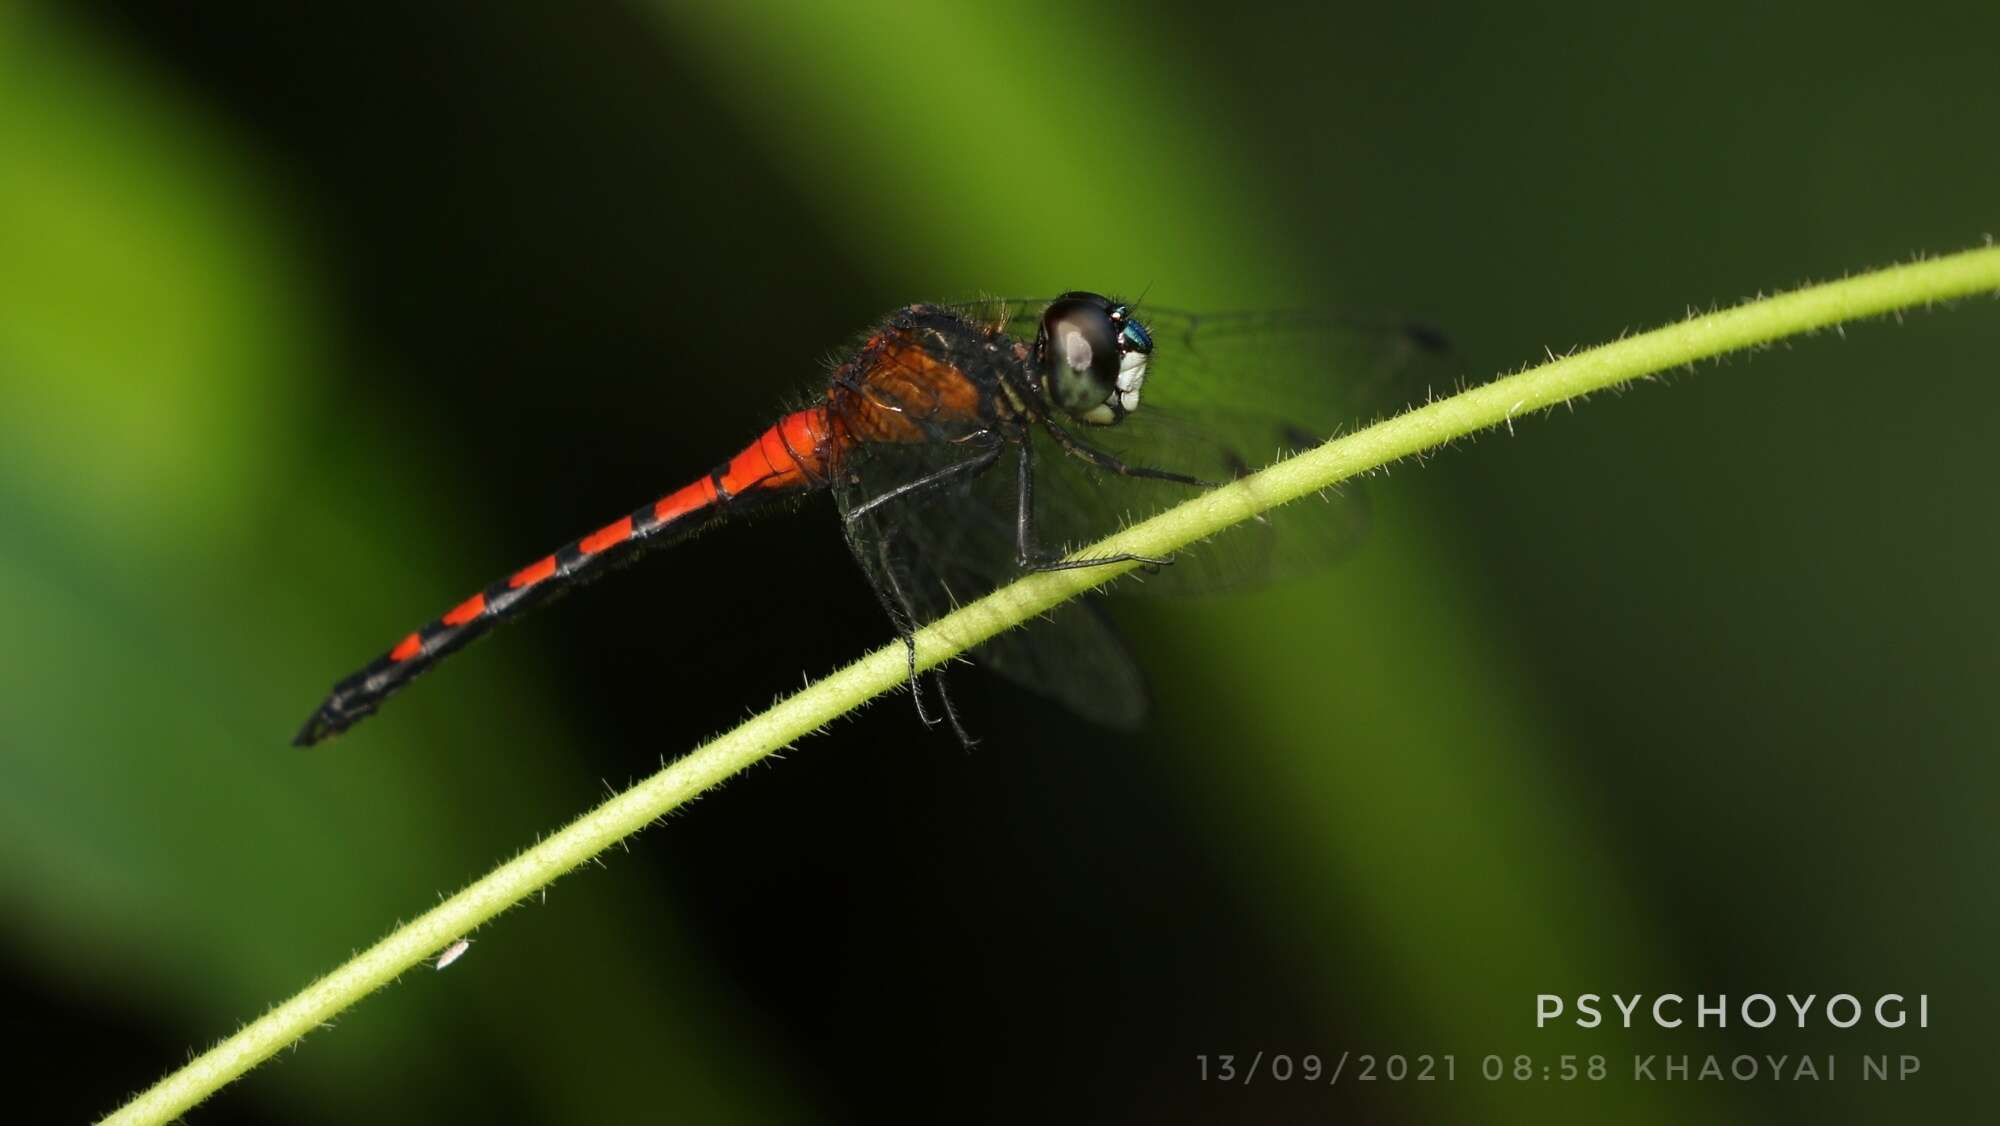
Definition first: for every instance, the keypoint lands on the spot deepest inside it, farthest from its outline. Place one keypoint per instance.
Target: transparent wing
(1225, 395)
(927, 551)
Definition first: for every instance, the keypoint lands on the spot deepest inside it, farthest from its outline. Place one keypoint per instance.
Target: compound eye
(1080, 347)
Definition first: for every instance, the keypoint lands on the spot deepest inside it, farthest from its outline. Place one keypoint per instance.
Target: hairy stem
(1426, 428)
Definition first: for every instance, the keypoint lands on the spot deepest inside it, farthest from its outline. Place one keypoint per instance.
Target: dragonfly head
(1092, 356)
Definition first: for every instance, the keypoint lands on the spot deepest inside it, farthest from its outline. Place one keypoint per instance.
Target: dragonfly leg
(1077, 448)
(974, 465)
(1027, 545)
(897, 603)
(965, 739)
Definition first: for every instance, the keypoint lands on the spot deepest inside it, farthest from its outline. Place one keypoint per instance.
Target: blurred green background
(312, 322)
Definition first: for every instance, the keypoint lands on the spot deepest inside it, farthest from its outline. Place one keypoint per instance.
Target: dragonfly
(968, 444)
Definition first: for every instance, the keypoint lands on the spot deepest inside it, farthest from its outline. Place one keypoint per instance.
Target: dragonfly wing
(1078, 504)
(927, 551)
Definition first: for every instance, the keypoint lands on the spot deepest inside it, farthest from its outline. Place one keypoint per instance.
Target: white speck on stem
(454, 952)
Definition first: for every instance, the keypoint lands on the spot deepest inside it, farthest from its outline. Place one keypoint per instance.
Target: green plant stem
(1426, 428)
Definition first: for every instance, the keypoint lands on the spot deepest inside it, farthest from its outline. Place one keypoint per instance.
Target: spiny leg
(1110, 464)
(972, 466)
(904, 618)
(906, 626)
(901, 616)
(1027, 546)
(895, 600)
(965, 738)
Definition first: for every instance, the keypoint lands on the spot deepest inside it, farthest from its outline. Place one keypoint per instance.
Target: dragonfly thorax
(1092, 357)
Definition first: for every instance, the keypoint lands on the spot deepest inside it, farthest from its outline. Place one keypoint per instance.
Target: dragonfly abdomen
(791, 457)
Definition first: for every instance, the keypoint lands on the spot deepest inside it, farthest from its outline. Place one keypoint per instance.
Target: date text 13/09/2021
(1246, 1069)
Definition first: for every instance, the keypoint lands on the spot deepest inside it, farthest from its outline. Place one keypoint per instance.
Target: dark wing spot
(1428, 338)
